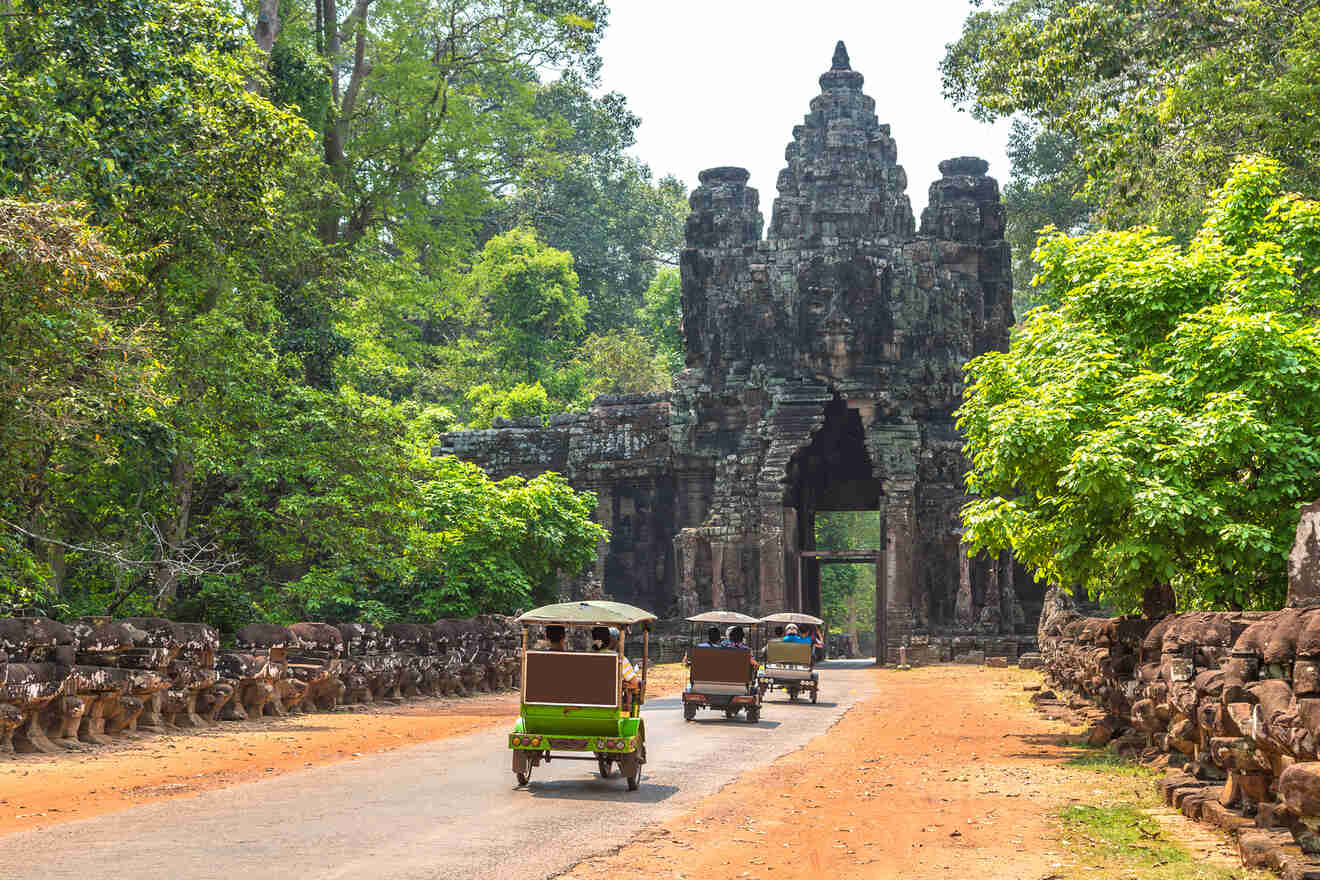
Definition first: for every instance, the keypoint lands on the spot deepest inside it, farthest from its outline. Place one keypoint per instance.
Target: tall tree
(1158, 96)
(601, 204)
(1157, 431)
(143, 109)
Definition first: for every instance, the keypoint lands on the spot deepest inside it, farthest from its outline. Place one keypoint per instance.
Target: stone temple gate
(824, 363)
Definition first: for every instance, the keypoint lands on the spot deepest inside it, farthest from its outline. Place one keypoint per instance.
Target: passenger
(554, 639)
(791, 635)
(735, 637)
(607, 639)
(712, 641)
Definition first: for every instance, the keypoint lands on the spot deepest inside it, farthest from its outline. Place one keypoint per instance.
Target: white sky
(723, 82)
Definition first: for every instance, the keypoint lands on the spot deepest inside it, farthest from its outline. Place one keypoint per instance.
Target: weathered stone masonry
(824, 363)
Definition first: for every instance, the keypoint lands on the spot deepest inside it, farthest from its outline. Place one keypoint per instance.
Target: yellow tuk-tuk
(790, 665)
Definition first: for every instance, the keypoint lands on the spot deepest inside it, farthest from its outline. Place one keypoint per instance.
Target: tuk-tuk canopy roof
(592, 612)
(722, 617)
(792, 617)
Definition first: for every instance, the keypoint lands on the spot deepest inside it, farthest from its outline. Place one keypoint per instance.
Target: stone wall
(824, 364)
(1231, 700)
(85, 683)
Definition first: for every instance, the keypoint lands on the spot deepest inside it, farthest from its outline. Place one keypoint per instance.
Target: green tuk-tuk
(790, 665)
(573, 695)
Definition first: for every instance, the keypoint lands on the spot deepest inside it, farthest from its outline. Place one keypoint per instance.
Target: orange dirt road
(38, 791)
(946, 773)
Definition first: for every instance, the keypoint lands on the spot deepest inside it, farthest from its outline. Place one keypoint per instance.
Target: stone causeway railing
(86, 682)
(1232, 699)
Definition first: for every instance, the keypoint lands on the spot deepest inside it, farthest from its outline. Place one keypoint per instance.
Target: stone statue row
(1232, 697)
(86, 682)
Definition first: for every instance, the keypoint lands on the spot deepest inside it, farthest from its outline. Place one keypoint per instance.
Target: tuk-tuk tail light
(517, 740)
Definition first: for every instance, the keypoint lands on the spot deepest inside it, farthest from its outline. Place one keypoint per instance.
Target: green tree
(530, 292)
(661, 316)
(144, 110)
(497, 546)
(73, 362)
(427, 107)
(601, 204)
(1157, 96)
(1044, 191)
(621, 362)
(847, 591)
(1159, 428)
(519, 402)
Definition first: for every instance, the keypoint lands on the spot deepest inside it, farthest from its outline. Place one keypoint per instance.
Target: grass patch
(1104, 761)
(1121, 834)
(1121, 841)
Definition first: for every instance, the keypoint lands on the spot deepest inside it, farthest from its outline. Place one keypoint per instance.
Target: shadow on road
(734, 722)
(612, 789)
(821, 704)
(846, 663)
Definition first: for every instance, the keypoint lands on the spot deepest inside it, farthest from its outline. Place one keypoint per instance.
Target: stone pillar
(964, 612)
(717, 599)
(900, 527)
(991, 610)
(1304, 560)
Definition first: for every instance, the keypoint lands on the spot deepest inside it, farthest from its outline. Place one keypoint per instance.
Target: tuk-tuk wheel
(689, 711)
(792, 694)
(604, 764)
(731, 712)
(635, 765)
(753, 714)
(522, 767)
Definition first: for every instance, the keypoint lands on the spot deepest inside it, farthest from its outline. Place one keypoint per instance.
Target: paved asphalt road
(448, 809)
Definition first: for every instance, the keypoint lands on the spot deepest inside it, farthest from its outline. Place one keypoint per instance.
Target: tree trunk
(268, 25)
(59, 569)
(167, 579)
(1158, 601)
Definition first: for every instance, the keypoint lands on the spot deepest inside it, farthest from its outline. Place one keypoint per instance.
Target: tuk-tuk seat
(788, 653)
(560, 678)
(721, 670)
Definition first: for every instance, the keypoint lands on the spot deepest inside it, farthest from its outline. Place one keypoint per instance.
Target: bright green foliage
(497, 546)
(661, 316)
(601, 204)
(1157, 96)
(141, 109)
(1162, 424)
(235, 420)
(530, 292)
(519, 402)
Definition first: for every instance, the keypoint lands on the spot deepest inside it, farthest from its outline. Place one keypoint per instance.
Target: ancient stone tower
(824, 363)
